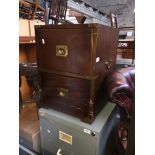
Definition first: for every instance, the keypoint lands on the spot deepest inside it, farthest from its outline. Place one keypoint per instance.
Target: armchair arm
(119, 88)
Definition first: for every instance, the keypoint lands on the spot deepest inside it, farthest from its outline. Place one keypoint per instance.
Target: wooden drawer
(64, 93)
(78, 49)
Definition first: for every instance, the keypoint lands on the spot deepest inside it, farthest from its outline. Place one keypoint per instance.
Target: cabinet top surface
(63, 118)
(93, 25)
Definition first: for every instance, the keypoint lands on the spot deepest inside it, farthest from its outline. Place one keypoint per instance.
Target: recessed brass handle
(62, 92)
(62, 50)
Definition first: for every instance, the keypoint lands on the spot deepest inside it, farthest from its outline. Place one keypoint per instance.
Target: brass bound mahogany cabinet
(73, 61)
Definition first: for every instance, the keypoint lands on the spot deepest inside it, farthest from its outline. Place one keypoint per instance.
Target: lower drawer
(66, 94)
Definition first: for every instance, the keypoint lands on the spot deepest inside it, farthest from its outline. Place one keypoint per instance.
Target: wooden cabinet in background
(32, 24)
(27, 49)
(24, 27)
(31, 10)
(126, 46)
(126, 49)
(26, 30)
(27, 53)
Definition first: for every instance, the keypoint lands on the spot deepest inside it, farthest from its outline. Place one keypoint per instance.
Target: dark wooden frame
(57, 11)
(113, 18)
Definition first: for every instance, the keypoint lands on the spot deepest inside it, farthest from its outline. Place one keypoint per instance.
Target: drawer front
(66, 50)
(60, 138)
(67, 94)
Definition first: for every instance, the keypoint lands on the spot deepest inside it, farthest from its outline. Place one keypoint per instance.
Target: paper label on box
(48, 131)
(65, 137)
(97, 59)
(87, 131)
(43, 41)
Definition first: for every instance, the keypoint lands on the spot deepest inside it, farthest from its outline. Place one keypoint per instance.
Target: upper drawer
(67, 50)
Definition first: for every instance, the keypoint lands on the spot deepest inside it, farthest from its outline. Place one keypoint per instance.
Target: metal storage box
(62, 134)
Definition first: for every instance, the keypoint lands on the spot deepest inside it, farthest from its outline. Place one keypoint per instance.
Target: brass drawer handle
(62, 92)
(62, 50)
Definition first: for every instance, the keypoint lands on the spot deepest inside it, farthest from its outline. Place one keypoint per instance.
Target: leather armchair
(120, 89)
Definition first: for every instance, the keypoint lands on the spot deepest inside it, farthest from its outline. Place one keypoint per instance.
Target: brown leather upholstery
(120, 88)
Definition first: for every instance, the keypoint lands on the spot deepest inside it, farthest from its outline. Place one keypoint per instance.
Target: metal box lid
(76, 123)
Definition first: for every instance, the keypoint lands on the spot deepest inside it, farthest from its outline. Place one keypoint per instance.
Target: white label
(97, 59)
(48, 131)
(123, 45)
(43, 41)
(129, 34)
(87, 131)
